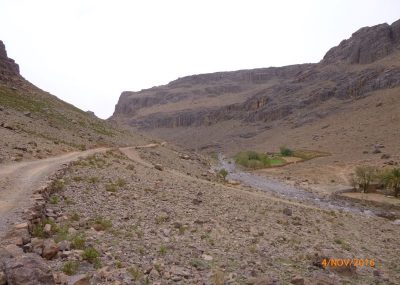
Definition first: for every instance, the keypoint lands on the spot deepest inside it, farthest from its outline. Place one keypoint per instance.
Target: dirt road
(19, 180)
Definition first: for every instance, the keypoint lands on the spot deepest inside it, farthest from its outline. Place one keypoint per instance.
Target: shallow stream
(284, 190)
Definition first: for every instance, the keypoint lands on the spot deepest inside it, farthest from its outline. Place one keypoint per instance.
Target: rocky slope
(264, 95)
(344, 105)
(36, 124)
(114, 218)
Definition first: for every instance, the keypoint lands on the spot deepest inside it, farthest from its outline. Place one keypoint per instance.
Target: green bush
(364, 175)
(391, 179)
(285, 151)
(223, 173)
(252, 159)
(90, 254)
(70, 267)
(78, 242)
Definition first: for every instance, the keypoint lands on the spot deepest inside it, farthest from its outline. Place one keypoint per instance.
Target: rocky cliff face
(367, 45)
(8, 68)
(269, 94)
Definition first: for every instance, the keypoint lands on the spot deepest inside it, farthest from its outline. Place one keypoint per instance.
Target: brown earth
(187, 227)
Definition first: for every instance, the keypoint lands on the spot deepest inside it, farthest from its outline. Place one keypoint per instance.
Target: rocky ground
(114, 220)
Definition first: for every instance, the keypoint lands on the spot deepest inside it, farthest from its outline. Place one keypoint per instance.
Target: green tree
(391, 179)
(364, 176)
(223, 173)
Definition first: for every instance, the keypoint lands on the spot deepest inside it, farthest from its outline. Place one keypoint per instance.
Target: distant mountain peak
(366, 45)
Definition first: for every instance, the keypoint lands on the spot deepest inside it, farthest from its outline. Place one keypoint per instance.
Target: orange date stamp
(348, 262)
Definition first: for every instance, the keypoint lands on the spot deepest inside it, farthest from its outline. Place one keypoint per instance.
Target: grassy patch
(101, 224)
(309, 154)
(54, 200)
(78, 242)
(70, 267)
(17, 101)
(255, 160)
(91, 255)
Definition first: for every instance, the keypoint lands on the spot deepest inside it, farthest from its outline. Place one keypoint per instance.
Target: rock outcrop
(8, 68)
(269, 94)
(366, 45)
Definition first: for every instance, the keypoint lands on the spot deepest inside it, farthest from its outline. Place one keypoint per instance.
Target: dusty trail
(19, 180)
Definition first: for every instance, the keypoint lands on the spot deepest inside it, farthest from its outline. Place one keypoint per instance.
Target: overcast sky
(87, 52)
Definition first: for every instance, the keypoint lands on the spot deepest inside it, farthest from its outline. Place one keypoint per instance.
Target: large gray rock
(27, 269)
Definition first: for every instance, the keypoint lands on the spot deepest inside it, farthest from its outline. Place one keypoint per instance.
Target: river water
(289, 192)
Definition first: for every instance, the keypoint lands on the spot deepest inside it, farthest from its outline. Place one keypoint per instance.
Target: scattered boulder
(297, 280)
(184, 156)
(47, 229)
(64, 245)
(81, 279)
(385, 156)
(37, 245)
(7, 126)
(207, 257)
(158, 167)
(50, 249)
(21, 226)
(28, 269)
(12, 250)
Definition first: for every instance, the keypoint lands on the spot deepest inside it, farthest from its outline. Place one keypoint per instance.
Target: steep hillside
(36, 124)
(343, 105)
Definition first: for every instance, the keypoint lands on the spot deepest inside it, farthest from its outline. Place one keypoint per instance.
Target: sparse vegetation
(135, 272)
(364, 175)
(70, 267)
(255, 160)
(163, 250)
(75, 216)
(78, 241)
(285, 151)
(93, 179)
(54, 199)
(58, 185)
(391, 180)
(111, 187)
(91, 255)
(38, 231)
(223, 173)
(101, 224)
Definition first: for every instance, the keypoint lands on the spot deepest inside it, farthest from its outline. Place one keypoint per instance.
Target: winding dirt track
(19, 180)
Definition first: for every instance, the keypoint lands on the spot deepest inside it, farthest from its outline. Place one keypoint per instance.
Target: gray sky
(87, 52)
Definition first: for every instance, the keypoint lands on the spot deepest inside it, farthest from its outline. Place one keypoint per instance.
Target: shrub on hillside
(364, 175)
(391, 180)
(223, 173)
(285, 151)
